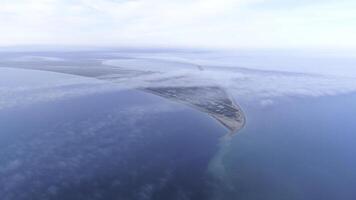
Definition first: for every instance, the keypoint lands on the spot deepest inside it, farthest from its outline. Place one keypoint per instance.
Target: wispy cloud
(24, 87)
(258, 75)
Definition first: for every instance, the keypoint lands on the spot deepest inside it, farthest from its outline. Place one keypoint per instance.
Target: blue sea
(297, 148)
(116, 145)
(79, 138)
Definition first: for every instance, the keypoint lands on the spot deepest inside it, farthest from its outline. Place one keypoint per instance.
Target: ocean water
(70, 137)
(115, 145)
(297, 148)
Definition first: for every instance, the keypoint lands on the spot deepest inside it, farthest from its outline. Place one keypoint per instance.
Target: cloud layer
(203, 23)
(132, 71)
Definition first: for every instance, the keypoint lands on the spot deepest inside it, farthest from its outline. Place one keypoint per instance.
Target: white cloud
(210, 23)
(247, 83)
(266, 102)
(24, 87)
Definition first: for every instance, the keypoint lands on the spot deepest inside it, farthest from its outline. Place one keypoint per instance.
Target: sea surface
(116, 145)
(100, 137)
(297, 148)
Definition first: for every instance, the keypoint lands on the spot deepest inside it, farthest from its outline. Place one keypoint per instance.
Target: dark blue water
(121, 145)
(299, 148)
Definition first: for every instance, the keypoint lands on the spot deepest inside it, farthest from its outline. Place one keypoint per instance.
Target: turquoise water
(298, 148)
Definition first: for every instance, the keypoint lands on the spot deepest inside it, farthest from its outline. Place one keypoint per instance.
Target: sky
(180, 23)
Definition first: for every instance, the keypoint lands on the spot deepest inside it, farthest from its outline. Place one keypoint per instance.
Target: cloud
(266, 102)
(263, 85)
(267, 81)
(22, 96)
(202, 23)
(37, 58)
(174, 69)
(24, 87)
